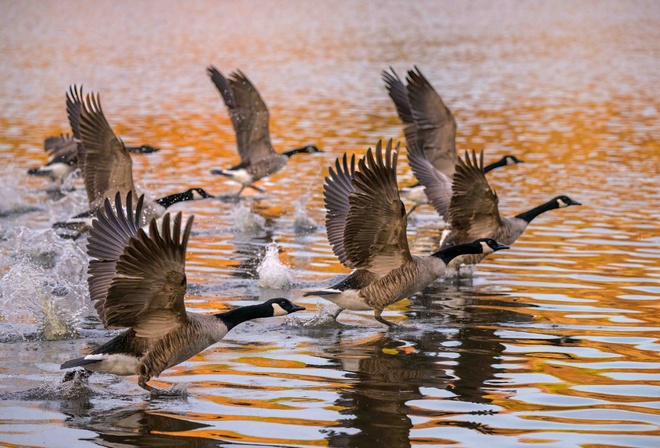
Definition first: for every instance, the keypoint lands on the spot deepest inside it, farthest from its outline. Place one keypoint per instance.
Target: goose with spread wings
(474, 212)
(138, 282)
(430, 125)
(366, 224)
(63, 149)
(108, 169)
(249, 116)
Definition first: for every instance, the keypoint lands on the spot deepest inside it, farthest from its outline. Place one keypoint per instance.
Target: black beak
(296, 308)
(575, 202)
(501, 246)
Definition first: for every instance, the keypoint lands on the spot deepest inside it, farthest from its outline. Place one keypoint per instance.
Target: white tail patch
(116, 363)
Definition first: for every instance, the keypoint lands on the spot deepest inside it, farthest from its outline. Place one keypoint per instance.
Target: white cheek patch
(561, 203)
(278, 310)
(485, 248)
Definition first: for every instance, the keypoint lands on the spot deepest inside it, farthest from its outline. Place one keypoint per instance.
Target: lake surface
(553, 343)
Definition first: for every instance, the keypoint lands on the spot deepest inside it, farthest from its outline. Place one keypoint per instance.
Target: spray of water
(272, 273)
(43, 292)
(245, 221)
(301, 222)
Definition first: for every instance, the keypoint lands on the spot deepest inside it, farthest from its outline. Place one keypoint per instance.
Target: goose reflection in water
(389, 370)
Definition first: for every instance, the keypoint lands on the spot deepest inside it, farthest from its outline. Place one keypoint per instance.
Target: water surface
(553, 343)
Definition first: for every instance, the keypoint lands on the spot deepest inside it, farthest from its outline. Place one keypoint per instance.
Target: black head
(198, 193)
(489, 245)
(282, 307)
(511, 160)
(564, 201)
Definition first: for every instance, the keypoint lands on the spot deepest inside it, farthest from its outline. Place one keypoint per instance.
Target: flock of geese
(136, 273)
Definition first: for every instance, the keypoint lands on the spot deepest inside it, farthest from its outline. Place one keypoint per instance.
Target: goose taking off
(249, 116)
(474, 213)
(63, 150)
(366, 224)
(108, 169)
(138, 281)
(430, 124)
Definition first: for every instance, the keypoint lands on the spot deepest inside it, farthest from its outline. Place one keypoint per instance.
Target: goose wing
(111, 231)
(399, 95)
(473, 212)
(337, 188)
(73, 108)
(434, 123)
(148, 284)
(248, 112)
(108, 166)
(375, 233)
(437, 185)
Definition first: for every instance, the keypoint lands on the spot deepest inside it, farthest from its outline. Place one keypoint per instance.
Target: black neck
(448, 254)
(243, 314)
(533, 213)
(492, 166)
(295, 151)
(174, 198)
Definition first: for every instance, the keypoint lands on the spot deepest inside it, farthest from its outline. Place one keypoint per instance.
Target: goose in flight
(366, 224)
(430, 124)
(108, 169)
(63, 150)
(474, 212)
(138, 282)
(249, 116)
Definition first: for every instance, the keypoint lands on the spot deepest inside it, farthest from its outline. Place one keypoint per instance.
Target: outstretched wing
(434, 122)
(473, 212)
(399, 95)
(108, 166)
(336, 191)
(248, 112)
(437, 185)
(375, 234)
(138, 280)
(111, 231)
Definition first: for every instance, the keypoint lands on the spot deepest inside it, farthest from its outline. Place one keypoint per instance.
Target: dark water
(553, 343)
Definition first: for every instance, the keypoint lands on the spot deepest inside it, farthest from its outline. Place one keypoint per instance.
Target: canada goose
(63, 158)
(473, 210)
(138, 281)
(249, 116)
(430, 124)
(366, 225)
(108, 169)
(63, 150)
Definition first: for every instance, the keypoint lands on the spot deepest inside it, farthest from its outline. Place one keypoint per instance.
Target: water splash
(44, 293)
(301, 222)
(272, 273)
(246, 221)
(11, 199)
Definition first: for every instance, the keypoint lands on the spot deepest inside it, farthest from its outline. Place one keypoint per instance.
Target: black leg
(260, 190)
(380, 319)
(411, 210)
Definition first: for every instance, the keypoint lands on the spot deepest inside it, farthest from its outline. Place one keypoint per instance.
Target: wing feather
(375, 234)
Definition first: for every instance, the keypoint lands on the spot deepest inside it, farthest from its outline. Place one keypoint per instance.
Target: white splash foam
(301, 222)
(246, 221)
(11, 199)
(272, 273)
(44, 292)
(464, 271)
